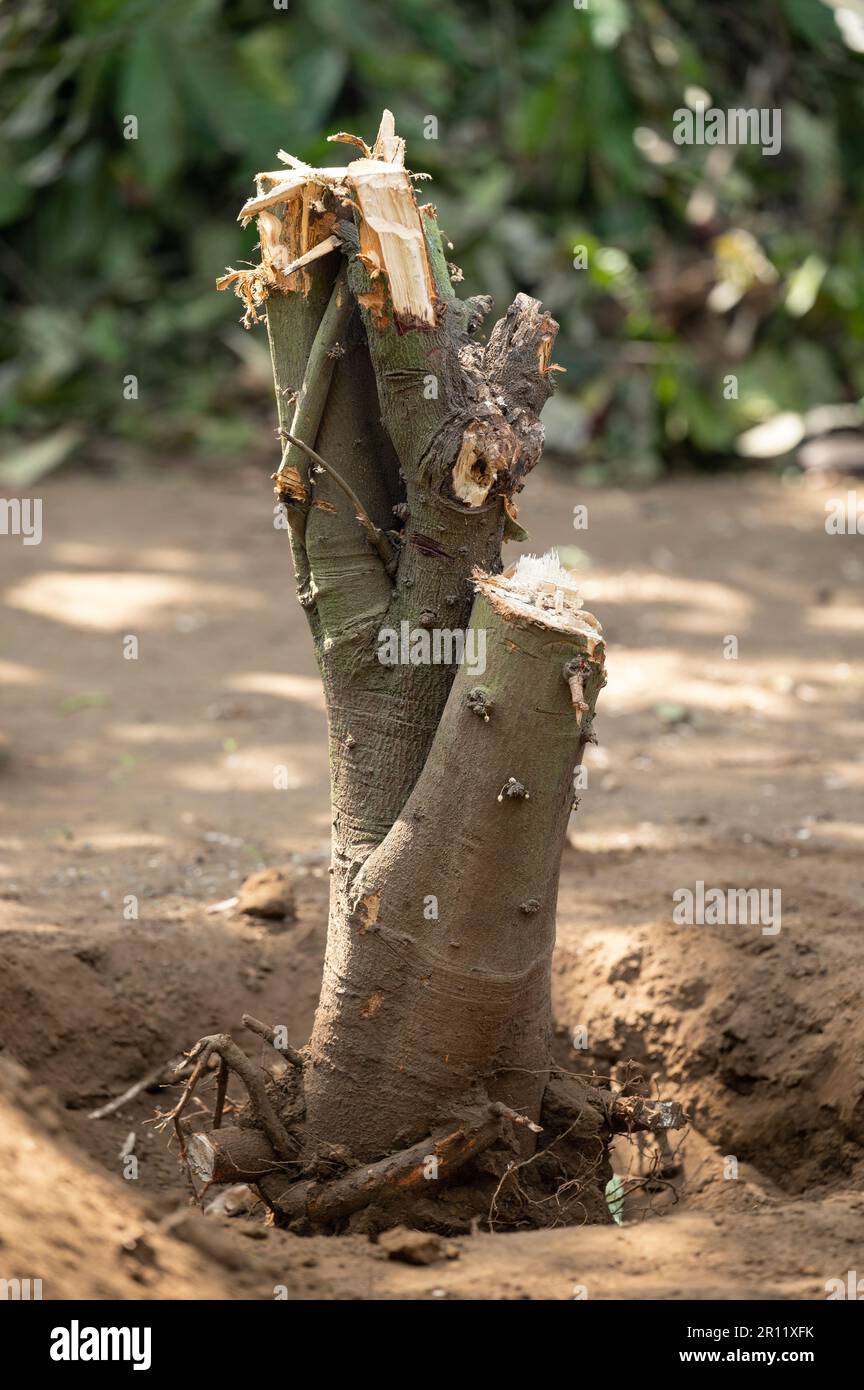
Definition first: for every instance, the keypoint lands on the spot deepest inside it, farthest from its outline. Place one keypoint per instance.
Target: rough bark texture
(451, 787)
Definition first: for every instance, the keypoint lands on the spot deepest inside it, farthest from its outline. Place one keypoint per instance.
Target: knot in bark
(514, 791)
(479, 701)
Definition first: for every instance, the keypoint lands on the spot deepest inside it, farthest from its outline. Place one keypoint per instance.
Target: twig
(499, 1108)
(376, 536)
(323, 248)
(263, 1030)
(201, 1051)
(221, 1092)
(225, 1047)
(168, 1071)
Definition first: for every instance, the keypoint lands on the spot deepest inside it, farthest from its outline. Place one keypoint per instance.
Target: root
(223, 1046)
(310, 1190)
(398, 1176)
(263, 1030)
(230, 1156)
(551, 1184)
(632, 1114)
(159, 1076)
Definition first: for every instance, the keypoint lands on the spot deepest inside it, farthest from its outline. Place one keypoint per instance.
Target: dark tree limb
(399, 1175)
(223, 1045)
(263, 1030)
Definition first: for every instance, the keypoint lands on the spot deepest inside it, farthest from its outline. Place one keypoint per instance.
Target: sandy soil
(152, 780)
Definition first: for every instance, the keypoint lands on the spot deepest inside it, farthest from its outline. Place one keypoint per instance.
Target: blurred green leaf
(812, 19)
(28, 463)
(148, 92)
(111, 245)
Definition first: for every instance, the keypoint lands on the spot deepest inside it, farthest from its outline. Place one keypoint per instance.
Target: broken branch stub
(512, 380)
(392, 242)
(230, 1155)
(634, 1114)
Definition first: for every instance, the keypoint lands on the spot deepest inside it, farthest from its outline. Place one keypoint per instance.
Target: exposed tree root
(229, 1156)
(400, 1175)
(269, 1035)
(224, 1046)
(466, 1171)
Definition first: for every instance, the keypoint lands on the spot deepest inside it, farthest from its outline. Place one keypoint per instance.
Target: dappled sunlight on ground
(106, 601)
(246, 771)
(711, 605)
(86, 555)
(17, 673)
(305, 689)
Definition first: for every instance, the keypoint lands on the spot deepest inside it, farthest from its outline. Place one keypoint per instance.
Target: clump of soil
(268, 894)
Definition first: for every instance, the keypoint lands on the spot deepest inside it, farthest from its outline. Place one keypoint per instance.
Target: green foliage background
(554, 132)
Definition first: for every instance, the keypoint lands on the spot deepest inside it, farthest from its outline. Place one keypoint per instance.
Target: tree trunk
(438, 956)
(405, 443)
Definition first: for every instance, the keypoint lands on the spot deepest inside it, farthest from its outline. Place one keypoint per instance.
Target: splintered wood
(391, 237)
(538, 589)
(295, 227)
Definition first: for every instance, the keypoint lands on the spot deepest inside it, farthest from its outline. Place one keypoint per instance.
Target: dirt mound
(760, 1037)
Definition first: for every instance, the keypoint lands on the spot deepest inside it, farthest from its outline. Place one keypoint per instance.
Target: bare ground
(152, 779)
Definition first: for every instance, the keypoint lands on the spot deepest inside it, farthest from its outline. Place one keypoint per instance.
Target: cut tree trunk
(439, 948)
(459, 700)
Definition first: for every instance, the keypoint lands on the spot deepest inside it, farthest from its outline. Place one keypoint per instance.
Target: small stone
(233, 1201)
(268, 894)
(414, 1247)
(138, 1248)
